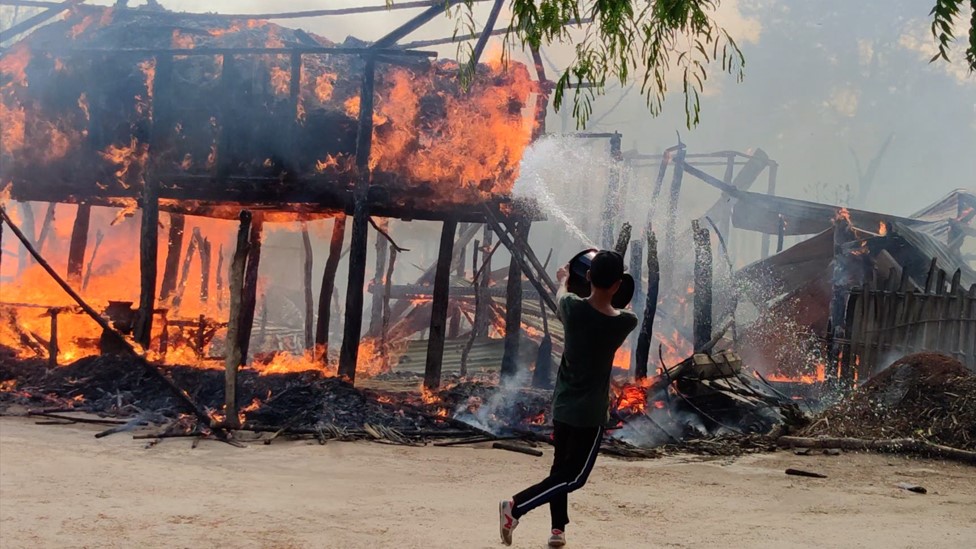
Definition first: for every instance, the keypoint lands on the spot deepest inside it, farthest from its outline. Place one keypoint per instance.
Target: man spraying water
(594, 330)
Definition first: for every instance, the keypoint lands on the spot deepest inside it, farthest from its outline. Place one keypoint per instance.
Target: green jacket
(582, 394)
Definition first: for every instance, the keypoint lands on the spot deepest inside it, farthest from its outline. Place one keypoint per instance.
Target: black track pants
(576, 450)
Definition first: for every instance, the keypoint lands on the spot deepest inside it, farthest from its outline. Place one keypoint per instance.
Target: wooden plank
(439, 306)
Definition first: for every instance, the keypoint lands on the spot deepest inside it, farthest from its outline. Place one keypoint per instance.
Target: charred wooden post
(611, 203)
(352, 330)
(52, 349)
(703, 286)
(771, 191)
(328, 287)
(455, 328)
(191, 249)
(376, 305)
(148, 244)
(636, 268)
(249, 299)
(307, 287)
(542, 375)
(841, 286)
(513, 302)
(46, 226)
(234, 353)
(659, 181)
(483, 282)
(79, 243)
(174, 247)
(163, 332)
(204, 270)
(669, 230)
(623, 240)
(219, 276)
(780, 233)
(27, 212)
(99, 236)
(650, 306)
(384, 331)
(439, 304)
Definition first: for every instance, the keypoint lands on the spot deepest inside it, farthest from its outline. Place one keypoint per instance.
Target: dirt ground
(60, 487)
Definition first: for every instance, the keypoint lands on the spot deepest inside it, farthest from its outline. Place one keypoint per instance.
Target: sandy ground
(60, 487)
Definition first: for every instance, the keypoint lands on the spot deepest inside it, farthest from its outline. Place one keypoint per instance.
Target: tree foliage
(652, 42)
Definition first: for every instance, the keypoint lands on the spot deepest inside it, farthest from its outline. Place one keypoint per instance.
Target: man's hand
(562, 274)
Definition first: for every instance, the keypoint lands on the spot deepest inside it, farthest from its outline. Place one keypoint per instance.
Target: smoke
(500, 409)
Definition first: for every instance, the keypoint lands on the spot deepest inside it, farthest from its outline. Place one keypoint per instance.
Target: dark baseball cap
(606, 268)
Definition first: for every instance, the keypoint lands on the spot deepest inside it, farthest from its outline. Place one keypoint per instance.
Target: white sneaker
(506, 522)
(558, 538)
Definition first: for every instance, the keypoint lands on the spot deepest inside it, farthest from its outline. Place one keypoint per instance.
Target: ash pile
(926, 397)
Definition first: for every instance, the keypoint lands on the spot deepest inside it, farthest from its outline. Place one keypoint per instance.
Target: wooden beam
(35, 20)
(439, 305)
(79, 243)
(352, 330)
(235, 356)
(479, 48)
(413, 24)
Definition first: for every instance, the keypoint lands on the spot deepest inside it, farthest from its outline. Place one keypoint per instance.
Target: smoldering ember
(224, 229)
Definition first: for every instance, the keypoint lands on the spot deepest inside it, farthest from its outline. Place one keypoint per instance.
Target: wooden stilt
(174, 247)
(307, 287)
(669, 231)
(780, 234)
(703, 287)
(611, 202)
(79, 242)
(249, 299)
(204, 270)
(148, 244)
(99, 236)
(455, 327)
(52, 349)
(46, 226)
(352, 329)
(439, 304)
(191, 249)
(484, 281)
(219, 277)
(328, 287)
(650, 306)
(384, 332)
(234, 352)
(771, 191)
(839, 293)
(27, 212)
(513, 304)
(636, 268)
(376, 304)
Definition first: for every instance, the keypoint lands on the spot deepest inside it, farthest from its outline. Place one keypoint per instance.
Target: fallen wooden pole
(547, 295)
(897, 445)
(181, 395)
(517, 448)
